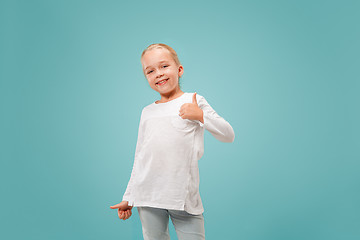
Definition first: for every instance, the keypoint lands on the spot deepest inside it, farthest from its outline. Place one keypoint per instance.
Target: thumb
(194, 99)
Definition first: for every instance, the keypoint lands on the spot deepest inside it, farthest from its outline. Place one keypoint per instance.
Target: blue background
(284, 74)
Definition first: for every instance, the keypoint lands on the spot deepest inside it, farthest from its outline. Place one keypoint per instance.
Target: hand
(124, 210)
(191, 111)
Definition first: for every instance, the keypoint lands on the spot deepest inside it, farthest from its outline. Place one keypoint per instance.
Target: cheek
(172, 73)
(150, 80)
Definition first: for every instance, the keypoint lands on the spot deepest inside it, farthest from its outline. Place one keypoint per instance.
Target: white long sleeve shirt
(165, 172)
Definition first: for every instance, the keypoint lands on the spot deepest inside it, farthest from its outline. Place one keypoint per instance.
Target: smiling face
(161, 71)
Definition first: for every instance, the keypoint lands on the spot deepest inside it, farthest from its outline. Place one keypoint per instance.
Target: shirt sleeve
(129, 189)
(214, 123)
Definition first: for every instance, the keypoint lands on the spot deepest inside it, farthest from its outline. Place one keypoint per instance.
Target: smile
(162, 82)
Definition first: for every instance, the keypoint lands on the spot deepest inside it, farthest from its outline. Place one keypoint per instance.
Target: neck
(165, 97)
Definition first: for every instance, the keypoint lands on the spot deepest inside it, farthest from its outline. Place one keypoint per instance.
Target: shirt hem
(168, 207)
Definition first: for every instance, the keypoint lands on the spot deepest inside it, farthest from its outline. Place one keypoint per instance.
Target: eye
(150, 71)
(165, 66)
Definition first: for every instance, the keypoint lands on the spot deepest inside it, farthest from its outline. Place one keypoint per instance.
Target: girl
(165, 176)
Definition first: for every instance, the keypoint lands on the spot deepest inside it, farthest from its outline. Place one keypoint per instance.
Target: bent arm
(214, 123)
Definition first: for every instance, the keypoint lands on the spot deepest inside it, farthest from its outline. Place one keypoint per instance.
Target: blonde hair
(164, 46)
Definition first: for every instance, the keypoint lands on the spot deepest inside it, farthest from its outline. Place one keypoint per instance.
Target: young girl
(165, 176)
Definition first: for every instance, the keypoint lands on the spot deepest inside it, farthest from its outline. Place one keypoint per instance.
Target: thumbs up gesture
(191, 111)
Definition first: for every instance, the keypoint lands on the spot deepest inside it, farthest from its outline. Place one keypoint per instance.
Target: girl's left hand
(191, 111)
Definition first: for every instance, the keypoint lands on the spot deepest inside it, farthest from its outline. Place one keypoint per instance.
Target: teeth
(162, 81)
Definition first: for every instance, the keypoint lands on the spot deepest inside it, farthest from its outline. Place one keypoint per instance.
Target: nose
(159, 73)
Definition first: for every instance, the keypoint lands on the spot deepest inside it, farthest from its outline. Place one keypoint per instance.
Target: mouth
(162, 82)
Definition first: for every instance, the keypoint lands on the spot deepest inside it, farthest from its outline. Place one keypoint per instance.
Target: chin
(168, 90)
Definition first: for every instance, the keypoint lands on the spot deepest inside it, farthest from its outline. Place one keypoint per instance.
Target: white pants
(155, 224)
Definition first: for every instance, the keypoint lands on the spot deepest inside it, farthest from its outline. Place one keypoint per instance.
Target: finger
(121, 213)
(185, 106)
(115, 206)
(130, 213)
(127, 215)
(194, 99)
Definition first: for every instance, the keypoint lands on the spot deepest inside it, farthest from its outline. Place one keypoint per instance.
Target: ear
(181, 70)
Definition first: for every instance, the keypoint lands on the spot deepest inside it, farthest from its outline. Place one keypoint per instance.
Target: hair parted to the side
(162, 45)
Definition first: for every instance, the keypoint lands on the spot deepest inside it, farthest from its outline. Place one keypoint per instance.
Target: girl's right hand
(124, 210)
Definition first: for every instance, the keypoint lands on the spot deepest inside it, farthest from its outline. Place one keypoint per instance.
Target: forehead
(156, 56)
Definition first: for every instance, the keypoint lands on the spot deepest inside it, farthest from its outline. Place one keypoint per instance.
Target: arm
(125, 206)
(201, 111)
(214, 123)
(127, 195)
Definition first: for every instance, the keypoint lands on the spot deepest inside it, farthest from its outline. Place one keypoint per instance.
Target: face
(161, 71)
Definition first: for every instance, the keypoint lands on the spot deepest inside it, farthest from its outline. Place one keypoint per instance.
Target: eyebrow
(163, 61)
